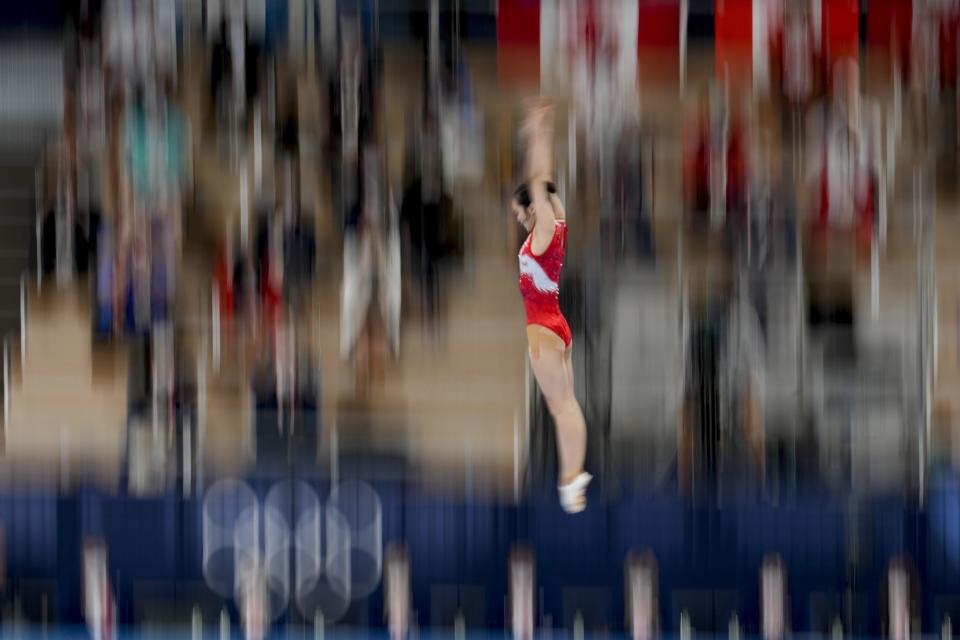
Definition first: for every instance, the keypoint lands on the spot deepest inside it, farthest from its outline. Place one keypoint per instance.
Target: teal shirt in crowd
(155, 153)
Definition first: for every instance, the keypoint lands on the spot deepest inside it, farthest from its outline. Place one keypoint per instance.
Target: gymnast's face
(524, 215)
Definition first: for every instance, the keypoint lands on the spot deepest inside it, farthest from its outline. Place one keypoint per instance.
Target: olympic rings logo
(319, 558)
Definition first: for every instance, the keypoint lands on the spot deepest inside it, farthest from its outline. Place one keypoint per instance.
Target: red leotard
(540, 283)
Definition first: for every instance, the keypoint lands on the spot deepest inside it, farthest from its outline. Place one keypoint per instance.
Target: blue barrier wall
(826, 544)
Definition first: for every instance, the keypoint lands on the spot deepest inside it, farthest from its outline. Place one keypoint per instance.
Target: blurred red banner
(841, 31)
(518, 41)
(658, 42)
(733, 40)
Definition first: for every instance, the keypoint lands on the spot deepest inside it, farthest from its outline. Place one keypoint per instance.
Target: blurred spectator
(221, 69)
(924, 72)
(736, 167)
(722, 418)
(351, 114)
(163, 269)
(148, 226)
(67, 225)
(743, 375)
(352, 86)
(105, 281)
(371, 288)
(628, 208)
(799, 56)
(83, 73)
(235, 67)
(761, 222)
(136, 275)
(285, 254)
(717, 165)
(155, 138)
(139, 40)
(428, 218)
(59, 214)
(843, 160)
(119, 36)
(461, 120)
(697, 168)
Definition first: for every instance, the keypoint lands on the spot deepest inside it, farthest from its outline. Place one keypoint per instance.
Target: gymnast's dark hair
(522, 193)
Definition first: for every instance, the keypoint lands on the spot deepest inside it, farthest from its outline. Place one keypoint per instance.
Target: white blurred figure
(773, 598)
(521, 594)
(253, 600)
(585, 50)
(767, 20)
(898, 599)
(99, 606)
(119, 41)
(764, 173)
(285, 370)
(743, 377)
(595, 83)
(371, 263)
(165, 37)
(144, 48)
(843, 158)
(642, 597)
(139, 40)
(398, 592)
